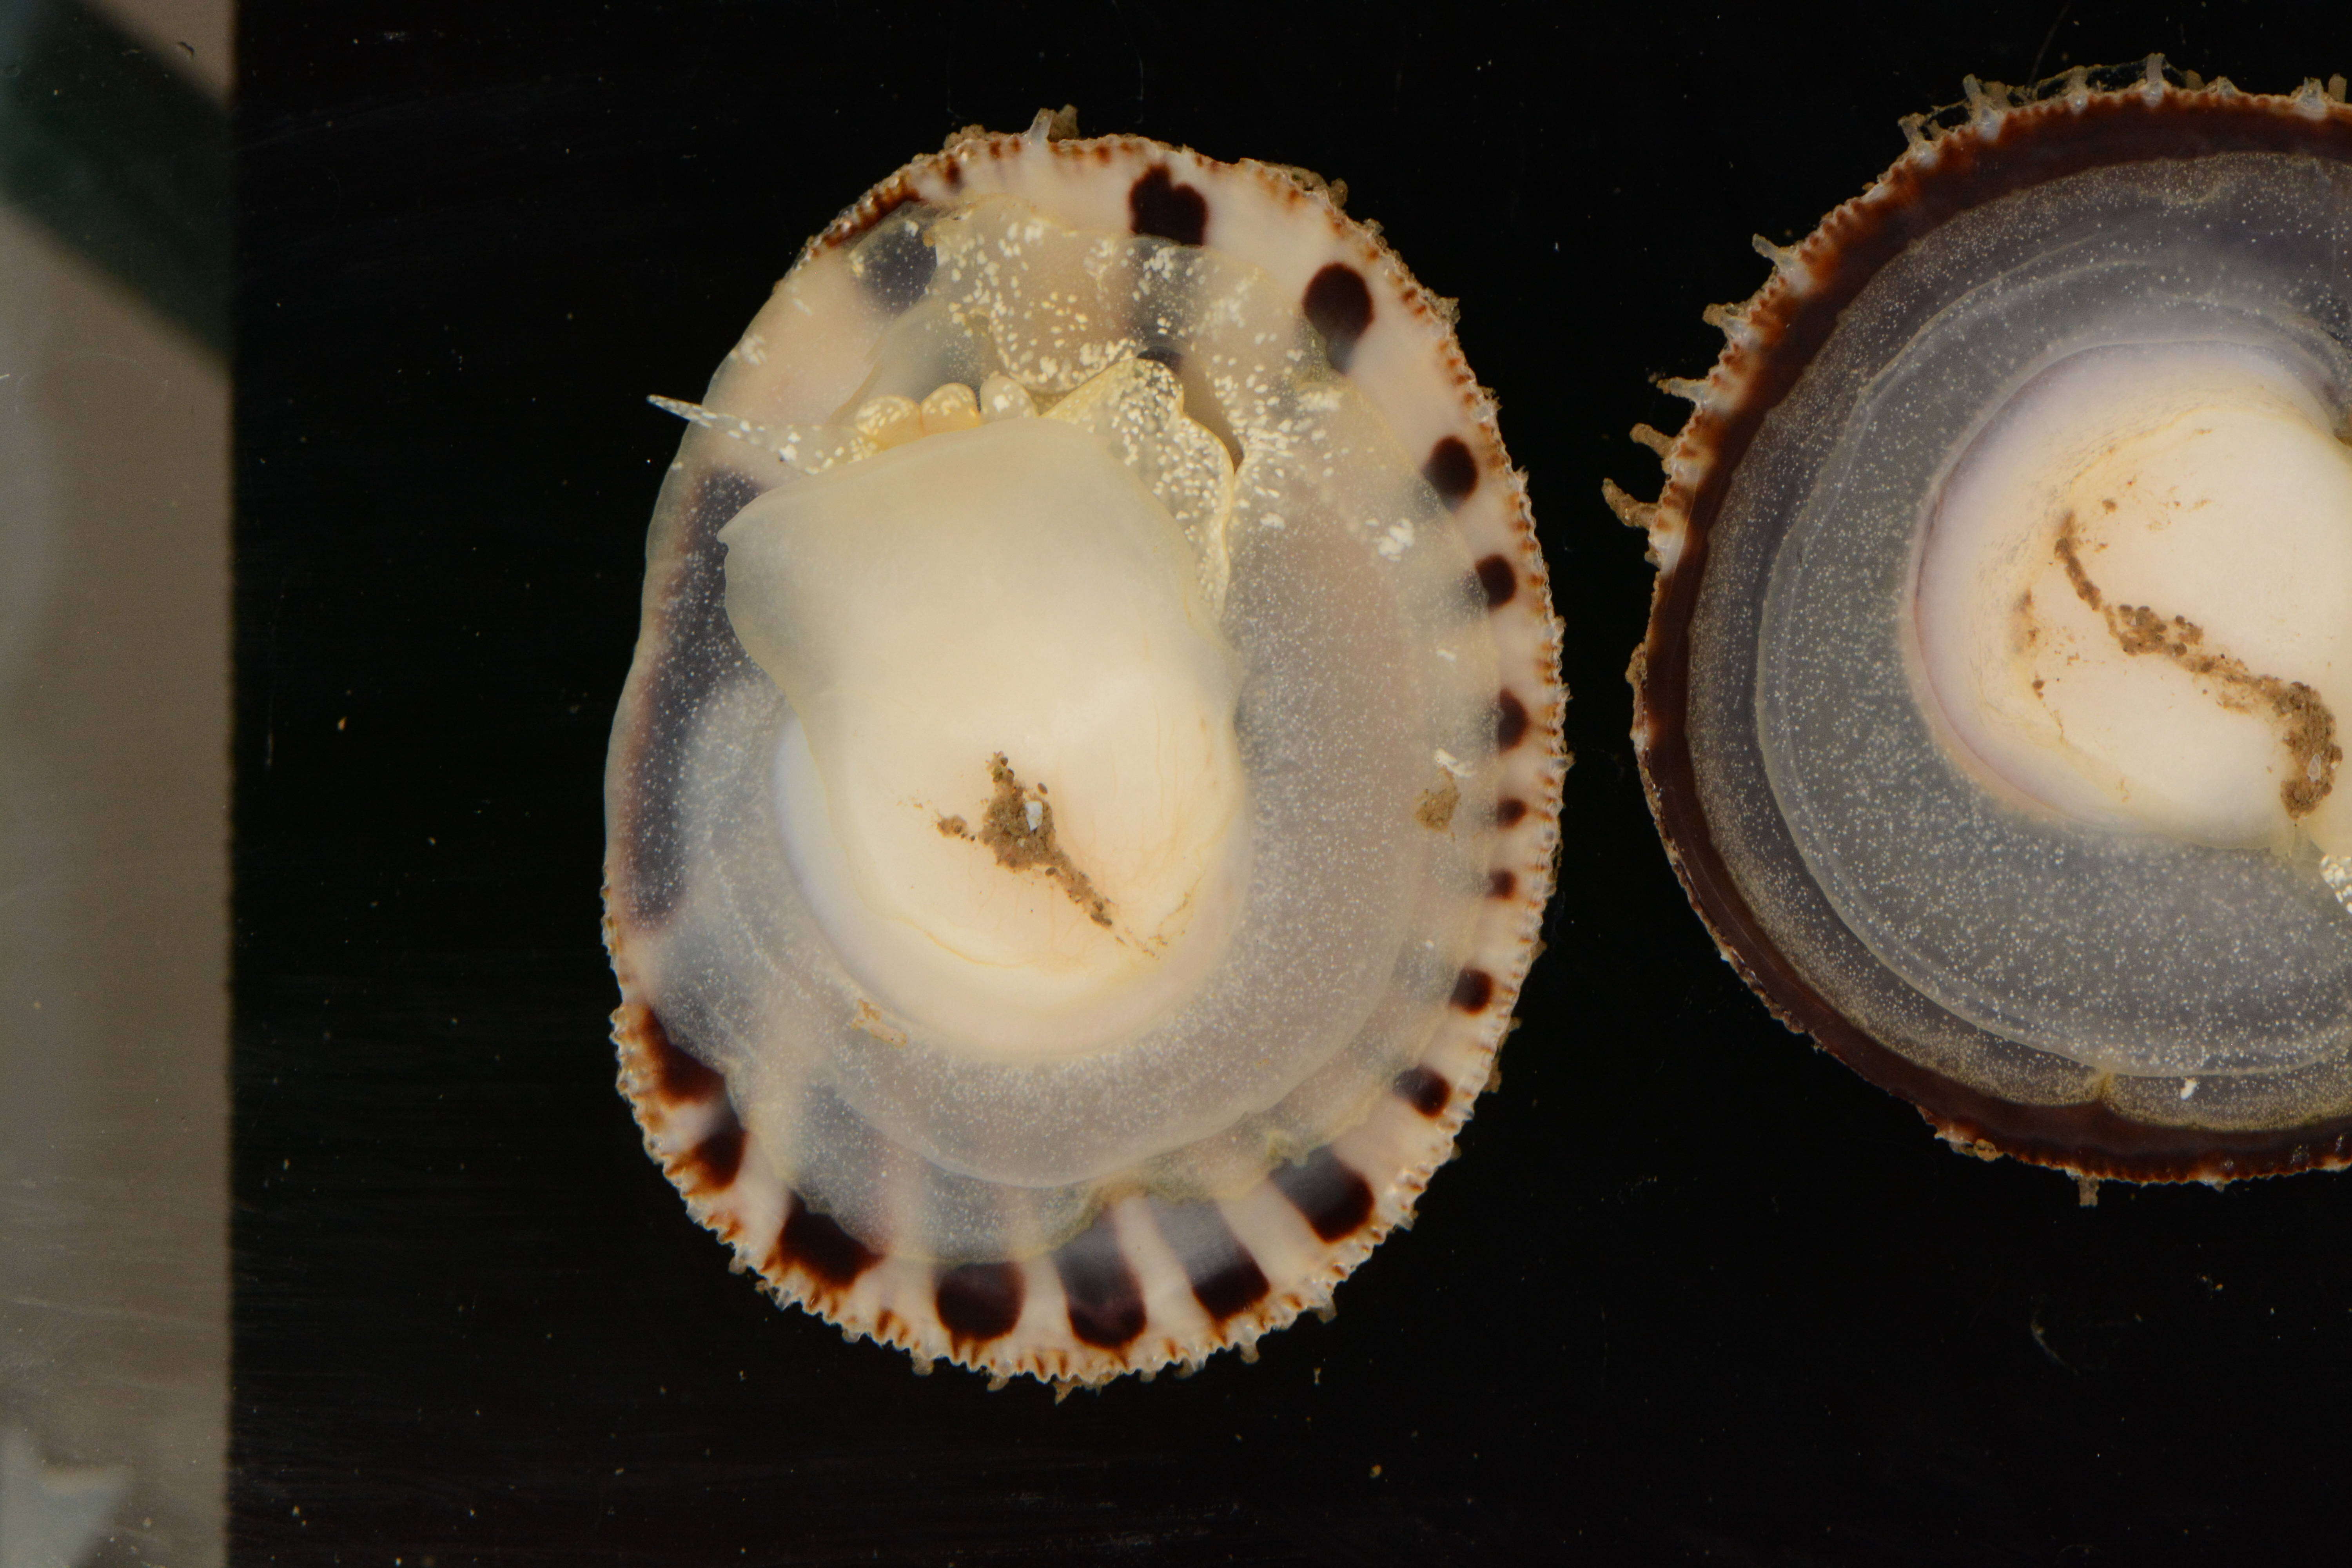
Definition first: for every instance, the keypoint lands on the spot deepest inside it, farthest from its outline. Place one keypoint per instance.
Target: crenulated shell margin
(1996, 139)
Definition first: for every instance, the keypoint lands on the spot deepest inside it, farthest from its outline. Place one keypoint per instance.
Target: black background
(1693, 1291)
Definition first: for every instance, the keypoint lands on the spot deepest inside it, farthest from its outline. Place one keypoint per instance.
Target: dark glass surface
(1692, 1292)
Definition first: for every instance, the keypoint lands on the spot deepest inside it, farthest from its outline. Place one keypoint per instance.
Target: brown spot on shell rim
(710, 1167)
(1157, 206)
(678, 1078)
(1510, 720)
(1222, 1273)
(818, 1246)
(1339, 304)
(1334, 1200)
(1452, 473)
(978, 1301)
(1474, 990)
(1102, 1298)
(1496, 581)
(2061, 127)
(1233, 1288)
(1425, 1090)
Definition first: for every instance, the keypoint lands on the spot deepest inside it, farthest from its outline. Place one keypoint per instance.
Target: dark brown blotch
(1236, 1287)
(678, 1078)
(1502, 883)
(710, 1165)
(1510, 811)
(1451, 471)
(1497, 581)
(1510, 720)
(1225, 1278)
(1426, 1089)
(1333, 1200)
(1474, 988)
(1339, 304)
(1157, 205)
(1105, 1304)
(818, 1245)
(978, 1301)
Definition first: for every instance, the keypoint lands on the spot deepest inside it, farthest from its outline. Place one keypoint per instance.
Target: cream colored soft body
(2134, 603)
(1004, 597)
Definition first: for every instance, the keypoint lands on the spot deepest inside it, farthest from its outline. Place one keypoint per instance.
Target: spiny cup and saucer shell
(2086, 215)
(995, 1216)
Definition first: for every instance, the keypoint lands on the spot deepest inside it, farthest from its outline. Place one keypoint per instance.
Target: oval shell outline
(1999, 139)
(1121, 1297)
